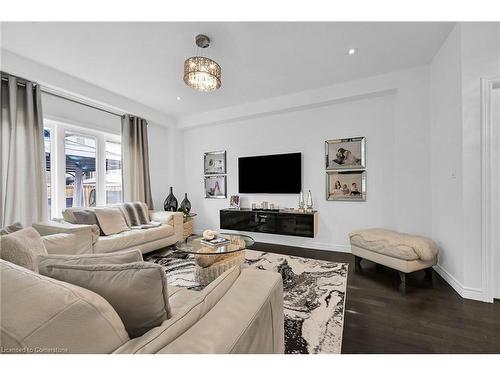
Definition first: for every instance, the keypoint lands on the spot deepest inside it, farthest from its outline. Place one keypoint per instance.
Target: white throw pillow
(22, 248)
(137, 291)
(111, 220)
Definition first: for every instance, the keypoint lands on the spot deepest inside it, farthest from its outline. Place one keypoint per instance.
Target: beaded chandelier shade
(202, 73)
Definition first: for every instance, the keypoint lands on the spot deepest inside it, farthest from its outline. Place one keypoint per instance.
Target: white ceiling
(144, 61)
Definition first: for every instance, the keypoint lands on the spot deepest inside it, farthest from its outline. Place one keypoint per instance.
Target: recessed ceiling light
(179, 98)
(352, 51)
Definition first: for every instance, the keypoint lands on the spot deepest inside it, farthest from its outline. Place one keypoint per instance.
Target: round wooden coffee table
(212, 261)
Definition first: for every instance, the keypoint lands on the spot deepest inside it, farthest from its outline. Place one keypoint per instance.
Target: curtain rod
(81, 102)
(22, 81)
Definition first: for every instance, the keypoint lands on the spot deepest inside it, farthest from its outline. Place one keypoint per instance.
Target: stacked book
(216, 242)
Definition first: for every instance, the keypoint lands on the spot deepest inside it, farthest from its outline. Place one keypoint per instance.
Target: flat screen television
(271, 174)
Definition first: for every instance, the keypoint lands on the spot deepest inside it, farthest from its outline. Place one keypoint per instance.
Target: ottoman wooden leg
(357, 260)
(428, 273)
(402, 276)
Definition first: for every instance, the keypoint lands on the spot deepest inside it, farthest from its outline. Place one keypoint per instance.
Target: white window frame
(58, 131)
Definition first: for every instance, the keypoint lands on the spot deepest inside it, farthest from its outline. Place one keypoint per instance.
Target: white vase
(309, 200)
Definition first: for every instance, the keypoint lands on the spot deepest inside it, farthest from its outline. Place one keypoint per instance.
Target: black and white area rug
(314, 295)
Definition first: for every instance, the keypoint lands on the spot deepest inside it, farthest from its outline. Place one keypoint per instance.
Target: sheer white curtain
(23, 188)
(135, 157)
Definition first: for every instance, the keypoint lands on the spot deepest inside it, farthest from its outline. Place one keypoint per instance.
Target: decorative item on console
(309, 201)
(234, 202)
(301, 201)
(265, 206)
(170, 203)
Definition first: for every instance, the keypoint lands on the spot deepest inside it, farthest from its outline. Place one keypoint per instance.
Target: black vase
(185, 204)
(170, 203)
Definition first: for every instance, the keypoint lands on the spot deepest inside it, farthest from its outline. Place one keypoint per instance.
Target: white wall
(446, 155)
(394, 120)
(471, 52)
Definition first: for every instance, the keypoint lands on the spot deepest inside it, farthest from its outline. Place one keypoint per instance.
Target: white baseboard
(464, 291)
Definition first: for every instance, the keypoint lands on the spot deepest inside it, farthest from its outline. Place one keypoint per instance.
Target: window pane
(80, 170)
(113, 173)
(46, 139)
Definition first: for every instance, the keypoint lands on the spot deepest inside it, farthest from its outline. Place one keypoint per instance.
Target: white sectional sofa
(89, 240)
(238, 313)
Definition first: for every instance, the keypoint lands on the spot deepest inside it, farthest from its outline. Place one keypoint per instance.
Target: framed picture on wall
(215, 162)
(346, 186)
(346, 153)
(215, 187)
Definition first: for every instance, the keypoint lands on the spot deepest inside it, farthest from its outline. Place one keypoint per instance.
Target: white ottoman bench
(400, 251)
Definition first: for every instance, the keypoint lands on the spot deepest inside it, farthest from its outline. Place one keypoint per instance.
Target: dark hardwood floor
(429, 317)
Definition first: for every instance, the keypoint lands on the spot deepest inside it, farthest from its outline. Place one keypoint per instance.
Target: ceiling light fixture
(202, 73)
(352, 51)
(179, 98)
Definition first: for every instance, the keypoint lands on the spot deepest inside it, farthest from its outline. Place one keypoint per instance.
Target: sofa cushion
(11, 228)
(119, 257)
(123, 240)
(132, 238)
(188, 307)
(137, 291)
(111, 220)
(136, 213)
(22, 248)
(40, 312)
(87, 217)
(153, 234)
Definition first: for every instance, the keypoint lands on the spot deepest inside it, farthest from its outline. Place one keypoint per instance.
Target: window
(47, 146)
(113, 172)
(84, 167)
(80, 176)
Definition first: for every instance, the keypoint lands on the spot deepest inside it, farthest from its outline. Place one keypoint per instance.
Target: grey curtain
(23, 188)
(135, 157)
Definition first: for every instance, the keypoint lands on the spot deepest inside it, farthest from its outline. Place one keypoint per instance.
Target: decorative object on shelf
(215, 162)
(309, 202)
(347, 153)
(234, 202)
(170, 203)
(215, 187)
(185, 205)
(346, 185)
(264, 205)
(200, 72)
(254, 206)
(301, 201)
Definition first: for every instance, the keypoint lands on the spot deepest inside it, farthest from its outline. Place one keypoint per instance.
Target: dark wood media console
(290, 223)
